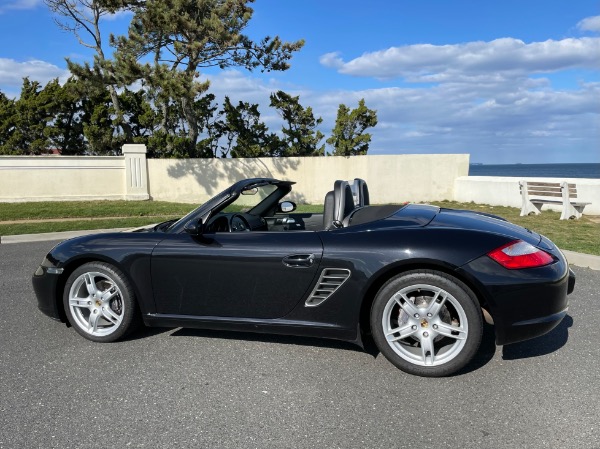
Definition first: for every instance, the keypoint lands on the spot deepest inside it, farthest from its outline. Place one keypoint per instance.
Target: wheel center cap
(424, 323)
(98, 303)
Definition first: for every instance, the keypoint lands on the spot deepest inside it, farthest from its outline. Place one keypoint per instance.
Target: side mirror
(194, 227)
(286, 207)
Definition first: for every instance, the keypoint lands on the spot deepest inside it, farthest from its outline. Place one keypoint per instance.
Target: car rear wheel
(99, 302)
(426, 323)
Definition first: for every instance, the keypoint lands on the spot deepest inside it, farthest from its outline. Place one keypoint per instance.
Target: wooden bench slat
(544, 189)
(544, 192)
(559, 195)
(540, 201)
(545, 184)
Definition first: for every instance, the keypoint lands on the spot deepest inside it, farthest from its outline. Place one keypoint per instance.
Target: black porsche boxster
(417, 279)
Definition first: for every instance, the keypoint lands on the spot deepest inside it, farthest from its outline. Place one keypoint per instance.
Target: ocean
(591, 171)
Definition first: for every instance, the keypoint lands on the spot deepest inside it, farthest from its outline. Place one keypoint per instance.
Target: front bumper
(45, 286)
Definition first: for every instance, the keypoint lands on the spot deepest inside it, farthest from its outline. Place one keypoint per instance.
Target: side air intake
(331, 279)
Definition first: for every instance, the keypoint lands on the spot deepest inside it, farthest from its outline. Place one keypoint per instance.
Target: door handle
(299, 260)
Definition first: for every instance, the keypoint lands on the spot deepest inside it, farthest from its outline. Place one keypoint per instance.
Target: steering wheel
(238, 223)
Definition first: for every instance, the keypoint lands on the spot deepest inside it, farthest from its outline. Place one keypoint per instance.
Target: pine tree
(65, 130)
(29, 118)
(348, 136)
(246, 135)
(301, 136)
(181, 37)
(7, 124)
(82, 18)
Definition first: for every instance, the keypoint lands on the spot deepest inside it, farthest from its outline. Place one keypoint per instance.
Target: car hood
(466, 219)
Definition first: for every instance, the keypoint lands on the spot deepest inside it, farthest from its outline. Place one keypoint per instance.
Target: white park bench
(535, 194)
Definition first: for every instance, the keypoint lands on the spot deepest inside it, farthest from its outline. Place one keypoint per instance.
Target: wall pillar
(136, 172)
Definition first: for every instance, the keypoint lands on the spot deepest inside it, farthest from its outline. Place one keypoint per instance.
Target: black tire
(100, 303)
(434, 345)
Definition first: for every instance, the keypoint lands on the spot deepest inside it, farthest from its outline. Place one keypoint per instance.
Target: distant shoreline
(575, 170)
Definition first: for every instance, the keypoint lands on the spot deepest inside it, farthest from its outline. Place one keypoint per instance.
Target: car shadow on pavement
(539, 346)
(543, 345)
(267, 338)
(146, 332)
(486, 351)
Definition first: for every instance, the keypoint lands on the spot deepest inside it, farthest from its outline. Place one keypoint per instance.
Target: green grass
(77, 225)
(581, 235)
(90, 209)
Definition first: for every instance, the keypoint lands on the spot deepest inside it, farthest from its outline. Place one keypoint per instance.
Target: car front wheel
(100, 302)
(426, 323)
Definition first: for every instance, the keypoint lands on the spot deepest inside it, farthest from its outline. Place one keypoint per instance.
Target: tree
(210, 126)
(98, 127)
(245, 134)
(139, 114)
(348, 136)
(7, 123)
(183, 36)
(82, 18)
(301, 137)
(65, 130)
(29, 118)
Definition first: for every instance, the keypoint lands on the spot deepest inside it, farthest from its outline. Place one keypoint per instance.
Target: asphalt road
(189, 388)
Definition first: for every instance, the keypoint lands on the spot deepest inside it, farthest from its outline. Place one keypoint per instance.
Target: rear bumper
(524, 304)
(526, 330)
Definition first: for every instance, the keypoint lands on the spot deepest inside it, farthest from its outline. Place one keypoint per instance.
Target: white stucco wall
(391, 179)
(58, 178)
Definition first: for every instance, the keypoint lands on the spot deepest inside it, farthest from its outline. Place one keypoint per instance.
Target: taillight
(520, 254)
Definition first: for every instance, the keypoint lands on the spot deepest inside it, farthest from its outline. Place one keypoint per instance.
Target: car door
(234, 274)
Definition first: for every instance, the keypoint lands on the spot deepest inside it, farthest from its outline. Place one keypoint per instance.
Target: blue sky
(507, 82)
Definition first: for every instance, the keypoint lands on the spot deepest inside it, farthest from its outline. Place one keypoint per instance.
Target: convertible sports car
(417, 279)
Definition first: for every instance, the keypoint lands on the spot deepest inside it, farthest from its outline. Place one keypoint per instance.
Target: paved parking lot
(191, 388)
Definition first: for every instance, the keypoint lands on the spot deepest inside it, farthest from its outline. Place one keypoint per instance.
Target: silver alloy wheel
(96, 304)
(425, 325)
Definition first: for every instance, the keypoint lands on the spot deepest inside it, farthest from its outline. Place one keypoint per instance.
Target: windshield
(252, 195)
(250, 198)
(209, 204)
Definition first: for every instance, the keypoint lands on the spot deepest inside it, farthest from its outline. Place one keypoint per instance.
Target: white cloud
(590, 24)
(20, 4)
(332, 60)
(118, 15)
(500, 58)
(12, 73)
(483, 99)
(521, 120)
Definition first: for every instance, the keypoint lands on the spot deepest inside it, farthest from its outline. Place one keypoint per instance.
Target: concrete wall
(391, 179)
(504, 191)
(71, 178)
(58, 178)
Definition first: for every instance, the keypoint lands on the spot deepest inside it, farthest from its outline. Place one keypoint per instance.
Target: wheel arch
(394, 270)
(77, 262)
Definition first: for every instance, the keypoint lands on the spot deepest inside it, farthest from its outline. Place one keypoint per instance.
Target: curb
(577, 259)
(582, 260)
